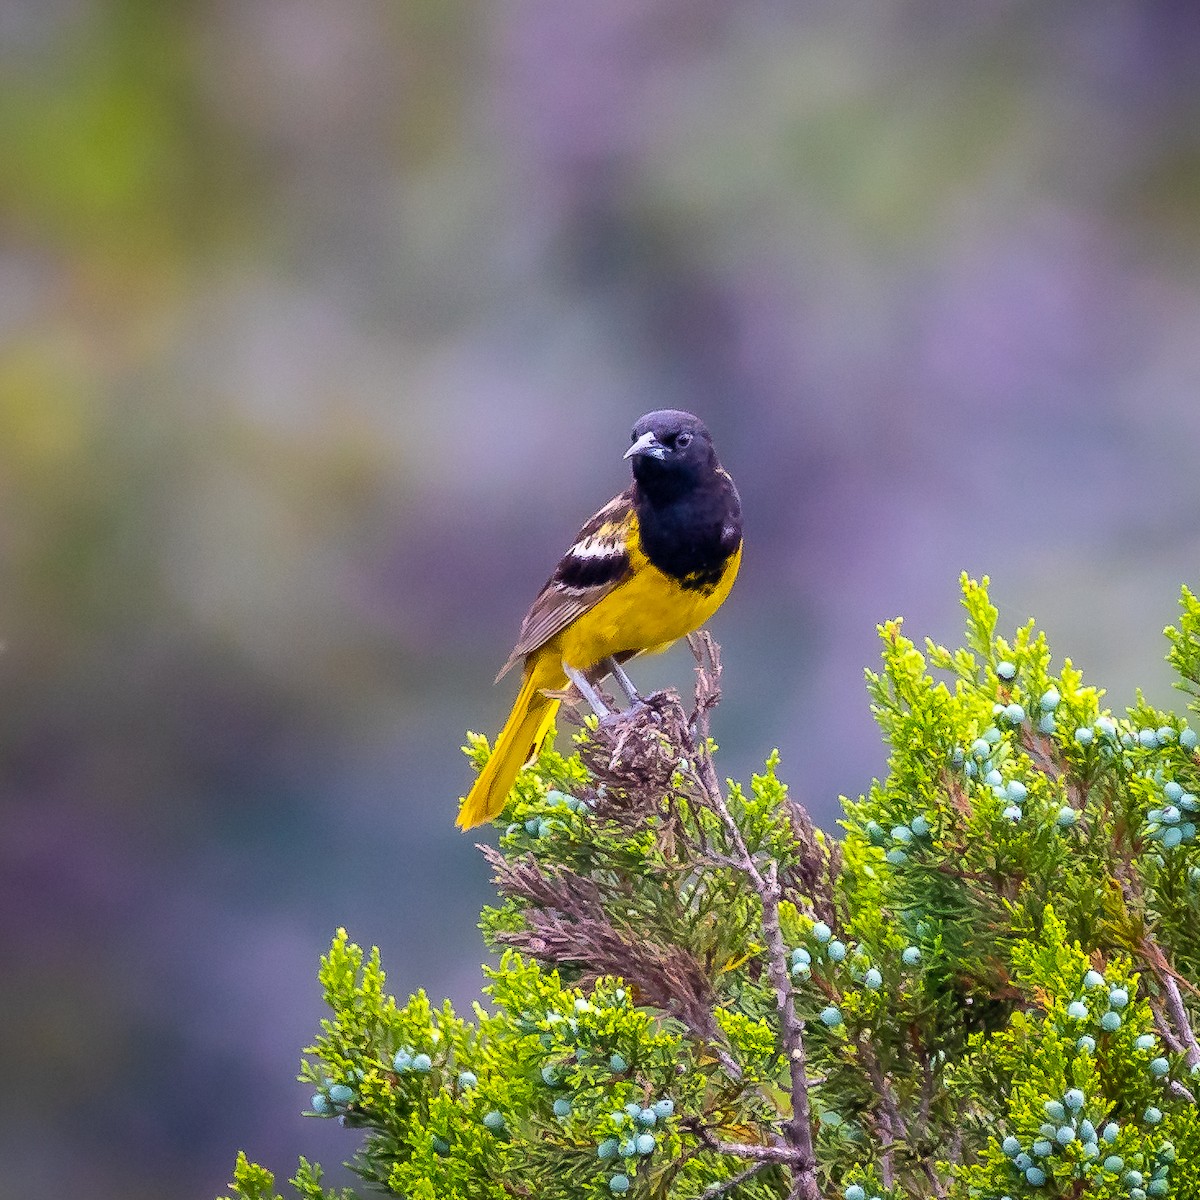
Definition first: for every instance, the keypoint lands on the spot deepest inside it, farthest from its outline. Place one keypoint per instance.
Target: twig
(762, 1154)
(939, 1188)
(766, 883)
(893, 1127)
(1179, 1016)
(759, 1154)
(719, 1189)
(1164, 1027)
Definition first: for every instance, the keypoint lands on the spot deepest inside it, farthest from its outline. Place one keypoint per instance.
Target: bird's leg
(623, 681)
(589, 693)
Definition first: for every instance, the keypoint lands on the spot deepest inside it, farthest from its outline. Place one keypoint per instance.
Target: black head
(671, 451)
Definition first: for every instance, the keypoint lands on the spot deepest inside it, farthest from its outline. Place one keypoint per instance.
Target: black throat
(689, 522)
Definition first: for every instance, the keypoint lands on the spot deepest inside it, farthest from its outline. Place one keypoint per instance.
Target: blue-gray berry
(1006, 669)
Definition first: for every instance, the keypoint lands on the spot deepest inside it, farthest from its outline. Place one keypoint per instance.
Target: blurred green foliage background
(322, 325)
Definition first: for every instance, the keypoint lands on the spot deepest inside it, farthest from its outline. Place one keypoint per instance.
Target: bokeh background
(322, 325)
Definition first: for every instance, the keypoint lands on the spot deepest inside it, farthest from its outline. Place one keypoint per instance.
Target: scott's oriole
(651, 566)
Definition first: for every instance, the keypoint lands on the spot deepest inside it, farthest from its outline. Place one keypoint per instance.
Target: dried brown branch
(566, 923)
(810, 882)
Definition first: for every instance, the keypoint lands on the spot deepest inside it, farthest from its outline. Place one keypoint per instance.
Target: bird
(648, 568)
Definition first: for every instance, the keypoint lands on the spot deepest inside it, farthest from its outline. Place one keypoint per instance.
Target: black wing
(597, 562)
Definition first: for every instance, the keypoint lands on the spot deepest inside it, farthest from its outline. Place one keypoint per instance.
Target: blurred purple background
(322, 326)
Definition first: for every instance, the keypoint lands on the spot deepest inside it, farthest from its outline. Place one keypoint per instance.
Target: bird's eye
(682, 440)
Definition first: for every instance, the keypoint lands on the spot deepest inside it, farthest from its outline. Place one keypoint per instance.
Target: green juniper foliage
(985, 989)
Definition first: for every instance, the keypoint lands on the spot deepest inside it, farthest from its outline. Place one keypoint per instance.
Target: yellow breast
(645, 614)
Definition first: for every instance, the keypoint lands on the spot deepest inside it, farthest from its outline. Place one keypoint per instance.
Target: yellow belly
(644, 614)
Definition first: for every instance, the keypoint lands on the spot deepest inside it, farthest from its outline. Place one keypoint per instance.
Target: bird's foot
(626, 716)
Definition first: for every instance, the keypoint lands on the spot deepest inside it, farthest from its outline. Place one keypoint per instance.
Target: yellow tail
(521, 738)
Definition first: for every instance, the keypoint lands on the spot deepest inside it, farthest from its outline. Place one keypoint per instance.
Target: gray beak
(648, 445)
